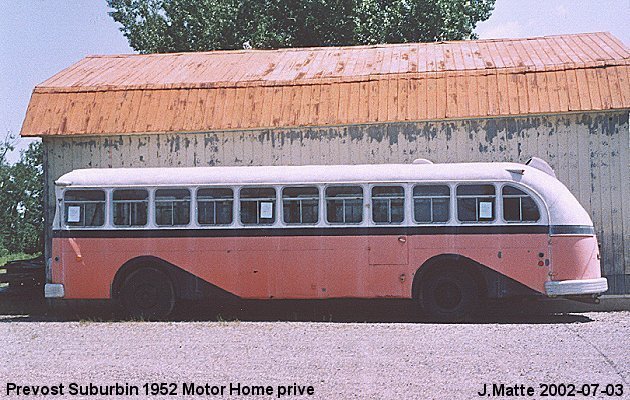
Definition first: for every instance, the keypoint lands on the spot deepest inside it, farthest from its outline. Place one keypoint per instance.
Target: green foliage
(21, 203)
(159, 26)
(18, 256)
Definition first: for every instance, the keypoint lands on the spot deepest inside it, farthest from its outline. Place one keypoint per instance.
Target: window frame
(450, 198)
(63, 213)
(319, 203)
(527, 193)
(404, 198)
(363, 203)
(274, 210)
(496, 209)
(148, 200)
(233, 199)
(155, 201)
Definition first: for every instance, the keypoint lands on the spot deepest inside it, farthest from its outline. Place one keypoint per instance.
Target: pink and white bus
(446, 235)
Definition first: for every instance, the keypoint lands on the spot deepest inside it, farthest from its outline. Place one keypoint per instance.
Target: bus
(449, 236)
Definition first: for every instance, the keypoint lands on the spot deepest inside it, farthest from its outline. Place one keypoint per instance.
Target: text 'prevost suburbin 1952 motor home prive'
(446, 235)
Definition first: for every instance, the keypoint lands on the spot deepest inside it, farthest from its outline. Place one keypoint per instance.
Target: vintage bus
(447, 235)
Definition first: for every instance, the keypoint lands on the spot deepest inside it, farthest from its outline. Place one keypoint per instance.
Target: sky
(39, 38)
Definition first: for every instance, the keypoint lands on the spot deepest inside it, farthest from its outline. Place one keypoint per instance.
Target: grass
(17, 256)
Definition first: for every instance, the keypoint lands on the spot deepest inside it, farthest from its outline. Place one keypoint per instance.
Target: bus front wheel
(148, 293)
(450, 295)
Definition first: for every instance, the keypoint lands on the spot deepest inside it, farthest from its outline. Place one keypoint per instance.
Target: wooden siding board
(504, 95)
(442, 97)
(449, 100)
(392, 100)
(364, 102)
(493, 95)
(604, 88)
(532, 93)
(130, 108)
(403, 100)
(344, 103)
(615, 88)
(615, 200)
(593, 89)
(49, 113)
(543, 92)
(563, 91)
(463, 105)
(33, 111)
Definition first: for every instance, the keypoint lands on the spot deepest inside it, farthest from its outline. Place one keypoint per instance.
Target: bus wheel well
(438, 263)
(135, 264)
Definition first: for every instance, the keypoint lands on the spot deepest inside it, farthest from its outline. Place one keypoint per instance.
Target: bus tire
(148, 293)
(450, 295)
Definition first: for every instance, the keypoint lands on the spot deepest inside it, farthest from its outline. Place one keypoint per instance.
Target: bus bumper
(576, 287)
(54, 290)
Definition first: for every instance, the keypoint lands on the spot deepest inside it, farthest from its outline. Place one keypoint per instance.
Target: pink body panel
(575, 257)
(298, 267)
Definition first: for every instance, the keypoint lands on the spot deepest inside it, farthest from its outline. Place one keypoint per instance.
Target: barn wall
(589, 152)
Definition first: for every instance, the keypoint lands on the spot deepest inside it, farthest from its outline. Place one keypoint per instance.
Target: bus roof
(282, 175)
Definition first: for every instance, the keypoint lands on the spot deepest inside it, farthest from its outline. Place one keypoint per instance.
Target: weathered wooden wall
(589, 151)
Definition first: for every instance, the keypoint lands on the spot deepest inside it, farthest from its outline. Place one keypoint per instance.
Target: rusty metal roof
(250, 89)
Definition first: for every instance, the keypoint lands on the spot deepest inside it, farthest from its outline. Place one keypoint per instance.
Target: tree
(21, 203)
(160, 26)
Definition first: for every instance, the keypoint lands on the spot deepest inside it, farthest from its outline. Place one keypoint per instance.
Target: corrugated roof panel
(189, 112)
(554, 91)
(493, 94)
(563, 92)
(604, 88)
(543, 93)
(615, 88)
(482, 94)
(575, 103)
(455, 104)
(325, 86)
(609, 40)
(594, 89)
(504, 95)
(208, 110)
(512, 90)
(583, 89)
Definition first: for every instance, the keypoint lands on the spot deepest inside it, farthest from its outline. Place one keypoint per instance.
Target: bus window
(130, 207)
(300, 205)
(431, 203)
(172, 207)
(388, 204)
(344, 204)
(258, 206)
(518, 206)
(214, 206)
(475, 203)
(84, 207)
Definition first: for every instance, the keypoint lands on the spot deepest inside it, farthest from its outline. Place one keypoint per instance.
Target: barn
(563, 98)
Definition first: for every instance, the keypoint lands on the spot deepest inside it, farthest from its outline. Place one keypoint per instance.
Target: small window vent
(422, 161)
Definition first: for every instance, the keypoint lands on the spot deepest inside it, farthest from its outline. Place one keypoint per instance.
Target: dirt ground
(390, 359)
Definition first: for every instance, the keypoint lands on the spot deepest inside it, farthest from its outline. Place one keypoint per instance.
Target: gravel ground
(340, 360)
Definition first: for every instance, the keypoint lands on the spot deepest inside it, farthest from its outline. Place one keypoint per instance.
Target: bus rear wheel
(450, 295)
(148, 293)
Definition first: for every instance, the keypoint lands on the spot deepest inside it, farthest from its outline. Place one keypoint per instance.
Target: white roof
(196, 176)
(562, 205)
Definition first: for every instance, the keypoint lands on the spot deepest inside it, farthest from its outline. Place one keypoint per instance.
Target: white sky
(38, 38)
